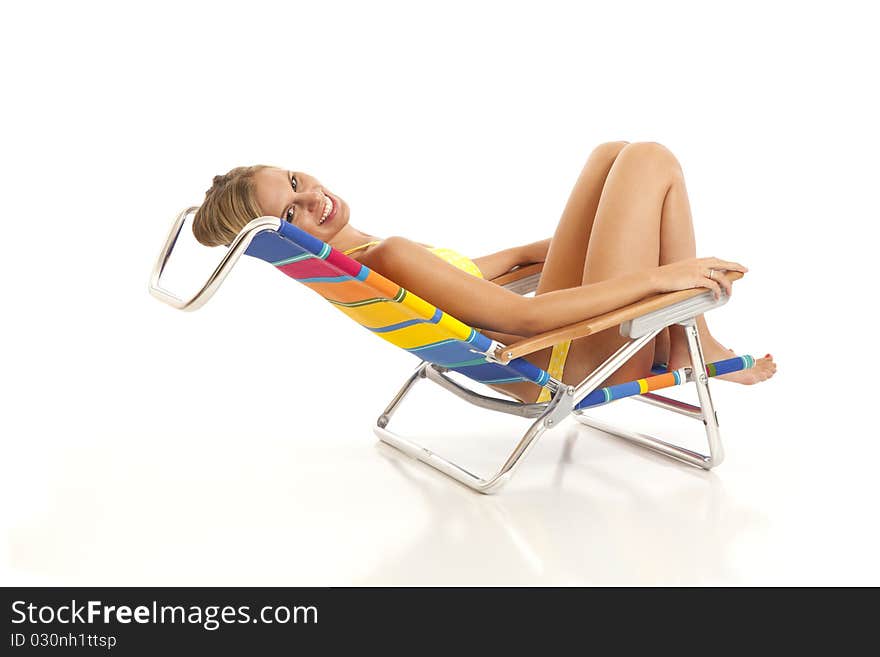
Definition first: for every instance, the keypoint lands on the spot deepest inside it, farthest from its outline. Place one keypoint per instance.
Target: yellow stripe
(422, 308)
(555, 368)
(643, 386)
(382, 313)
(417, 335)
(419, 306)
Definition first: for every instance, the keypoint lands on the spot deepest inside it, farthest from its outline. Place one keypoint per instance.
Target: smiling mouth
(329, 209)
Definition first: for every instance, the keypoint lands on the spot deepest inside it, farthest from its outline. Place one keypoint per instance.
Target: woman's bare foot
(713, 351)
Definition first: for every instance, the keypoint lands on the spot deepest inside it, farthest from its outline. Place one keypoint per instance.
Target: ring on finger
(711, 274)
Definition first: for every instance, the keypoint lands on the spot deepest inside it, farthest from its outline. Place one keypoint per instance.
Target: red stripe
(343, 262)
(310, 268)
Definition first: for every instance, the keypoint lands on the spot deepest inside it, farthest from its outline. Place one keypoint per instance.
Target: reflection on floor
(261, 509)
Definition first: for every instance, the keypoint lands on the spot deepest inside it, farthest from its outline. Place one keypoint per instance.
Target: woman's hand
(495, 264)
(697, 272)
(534, 252)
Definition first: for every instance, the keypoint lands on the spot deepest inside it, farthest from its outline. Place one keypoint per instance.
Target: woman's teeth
(328, 206)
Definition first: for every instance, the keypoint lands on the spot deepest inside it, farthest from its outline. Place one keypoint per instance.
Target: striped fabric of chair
(385, 308)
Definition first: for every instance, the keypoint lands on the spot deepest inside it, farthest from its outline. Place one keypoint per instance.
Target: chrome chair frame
(546, 415)
(561, 405)
(239, 245)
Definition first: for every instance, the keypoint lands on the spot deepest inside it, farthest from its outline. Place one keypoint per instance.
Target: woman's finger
(718, 263)
(718, 276)
(712, 285)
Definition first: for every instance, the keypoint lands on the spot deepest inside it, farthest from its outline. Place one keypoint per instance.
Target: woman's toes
(765, 368)
(762, 370)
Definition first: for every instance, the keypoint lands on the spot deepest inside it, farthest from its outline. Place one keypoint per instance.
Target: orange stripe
(661, 381)
(354, 290)
(382, 285)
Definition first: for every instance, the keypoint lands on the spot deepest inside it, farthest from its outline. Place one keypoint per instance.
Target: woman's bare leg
(644, 220)
(564, 265)
(677, 242)
(628, 211)
(625, 238)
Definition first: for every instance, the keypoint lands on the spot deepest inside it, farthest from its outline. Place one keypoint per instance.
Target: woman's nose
(311, 201)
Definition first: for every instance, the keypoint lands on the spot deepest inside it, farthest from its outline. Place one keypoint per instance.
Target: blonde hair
(228, 206)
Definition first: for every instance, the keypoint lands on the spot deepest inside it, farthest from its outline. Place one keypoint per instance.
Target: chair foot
(705, 413)
(447, 467)
(551, 413)
(649, 442)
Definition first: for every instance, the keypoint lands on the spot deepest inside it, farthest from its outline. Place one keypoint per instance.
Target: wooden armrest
(600, 323)
(519, 273)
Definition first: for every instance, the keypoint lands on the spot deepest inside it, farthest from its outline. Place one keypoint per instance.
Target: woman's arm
(484, 305)
(495, 264)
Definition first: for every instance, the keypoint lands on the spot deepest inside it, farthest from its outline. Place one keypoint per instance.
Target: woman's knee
(609, 150)
(652, 154)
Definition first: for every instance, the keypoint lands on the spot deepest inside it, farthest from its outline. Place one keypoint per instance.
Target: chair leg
(701, 379)
(706, 414)
(551, 414)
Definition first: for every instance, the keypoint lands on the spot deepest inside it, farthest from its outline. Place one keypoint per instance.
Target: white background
(141, 445)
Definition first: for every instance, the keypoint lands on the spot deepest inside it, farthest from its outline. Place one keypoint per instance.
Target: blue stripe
(622, 390)
(487, 372)
(413, 350)
(595, 398)
(399, 325)
(466, 363)
(302, 239)
(480, 341)
(287, 261)
(272, 247)
(452, 351)
(529, 371)
(393, 327)
(363, 273)
(324, 279)
(515, 379)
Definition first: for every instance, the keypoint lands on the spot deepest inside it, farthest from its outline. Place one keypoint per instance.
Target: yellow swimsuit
(452, 257)
(560, 351)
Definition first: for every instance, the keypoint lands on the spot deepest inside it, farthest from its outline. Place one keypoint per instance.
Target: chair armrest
(522, 279)
(602, 322)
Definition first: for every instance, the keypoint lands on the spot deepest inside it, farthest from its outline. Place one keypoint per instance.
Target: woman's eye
(289, 214)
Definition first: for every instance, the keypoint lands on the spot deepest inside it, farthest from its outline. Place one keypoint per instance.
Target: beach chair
(444, 345)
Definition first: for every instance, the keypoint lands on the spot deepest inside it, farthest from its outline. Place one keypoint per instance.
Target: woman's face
(298, 198)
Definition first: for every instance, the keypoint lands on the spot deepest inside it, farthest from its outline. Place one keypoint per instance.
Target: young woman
(626, 233)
